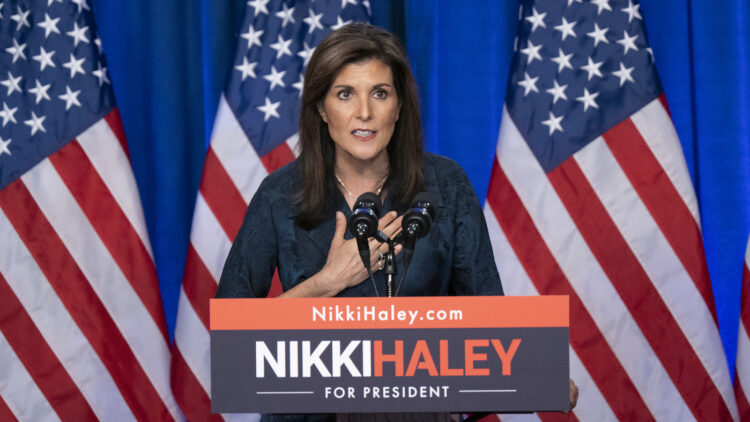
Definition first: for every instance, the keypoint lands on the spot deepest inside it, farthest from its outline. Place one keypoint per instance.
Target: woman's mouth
(364, 134)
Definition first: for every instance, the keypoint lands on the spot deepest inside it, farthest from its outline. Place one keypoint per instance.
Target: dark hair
(355, 43)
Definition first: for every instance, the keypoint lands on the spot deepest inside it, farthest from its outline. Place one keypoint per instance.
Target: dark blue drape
(168, 60)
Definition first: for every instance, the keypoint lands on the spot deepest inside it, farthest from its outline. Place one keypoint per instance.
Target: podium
(404, 354)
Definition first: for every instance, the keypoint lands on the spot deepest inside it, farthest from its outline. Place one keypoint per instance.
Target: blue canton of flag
(583, 67)
(276, 43)
(53, 81)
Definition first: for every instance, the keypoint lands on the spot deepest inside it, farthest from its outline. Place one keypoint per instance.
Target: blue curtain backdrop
(168, 60)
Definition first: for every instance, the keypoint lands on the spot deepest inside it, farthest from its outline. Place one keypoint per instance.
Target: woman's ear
(322, 112)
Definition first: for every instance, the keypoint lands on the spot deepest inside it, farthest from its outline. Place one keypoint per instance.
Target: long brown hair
(355, 43)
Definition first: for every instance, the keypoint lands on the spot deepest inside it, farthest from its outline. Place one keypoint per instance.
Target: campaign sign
(406, 354)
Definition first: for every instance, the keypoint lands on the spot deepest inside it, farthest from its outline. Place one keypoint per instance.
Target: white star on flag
(598, 35)
(21, 18)
(633, 11)
(313, 21)
(75, 66)
(275, 78)
(602, 4)
(78, 34)
(13, 83)
(537, 19)
(4, 146)
(44, 58)
(35, 123)
(269, 109)
(588, 99)
(529, 84)
(49, 25)
(282, 47)
(101, 73)
(40, 91)
(253, 37)
(82, 5)
(558, 92)
(593, 69)
(70, 98)
(562, 60)
(17, 50)
(628, 42)
(247, 68)
(260, 6)
(7, 114)
(306, 53)
(566, 28)
(553, 123)
(532, 51)
(624, 74)
(285, 15)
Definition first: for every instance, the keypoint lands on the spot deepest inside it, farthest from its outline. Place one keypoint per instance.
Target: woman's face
(361, 109)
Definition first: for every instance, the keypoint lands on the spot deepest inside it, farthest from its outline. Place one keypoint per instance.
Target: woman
(360, 132)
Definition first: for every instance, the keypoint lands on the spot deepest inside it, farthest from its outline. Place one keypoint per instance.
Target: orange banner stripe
(401, 312)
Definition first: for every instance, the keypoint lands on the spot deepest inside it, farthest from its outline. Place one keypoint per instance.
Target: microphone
(418, 219)
(363, 223)
(416, 224)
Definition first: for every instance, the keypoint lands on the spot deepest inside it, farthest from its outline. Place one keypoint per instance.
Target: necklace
(348, 192)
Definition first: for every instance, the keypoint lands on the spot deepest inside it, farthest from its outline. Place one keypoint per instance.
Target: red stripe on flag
(276, 288)
(199, 285)
(557, 416)
(5, 412)
(192, 399)
(585, 337)
(221, 196)
(745, 298)
(637, 291)
(112, 226)
(81, 301)
(115, 124)
(39, 360)
(742, 404)
(663, 202)
(278, 157)
(663, 101)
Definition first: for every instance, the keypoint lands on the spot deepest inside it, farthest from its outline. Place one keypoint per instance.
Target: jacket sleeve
(473, 271)
(249, 268)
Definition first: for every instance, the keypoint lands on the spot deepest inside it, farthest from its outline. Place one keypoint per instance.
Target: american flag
(742, 370)
(82, 330)
(590, 197)
(255, 132)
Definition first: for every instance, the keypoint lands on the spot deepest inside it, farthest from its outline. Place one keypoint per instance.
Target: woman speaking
(360, 131)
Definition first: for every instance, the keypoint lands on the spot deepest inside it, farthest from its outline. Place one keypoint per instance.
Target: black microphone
(418, 219)
(416, 224)
(363, 223)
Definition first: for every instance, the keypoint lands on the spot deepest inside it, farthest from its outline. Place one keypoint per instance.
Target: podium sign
(405, 354)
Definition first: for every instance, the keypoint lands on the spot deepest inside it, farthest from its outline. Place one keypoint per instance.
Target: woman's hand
(343, 267)
(573, 394)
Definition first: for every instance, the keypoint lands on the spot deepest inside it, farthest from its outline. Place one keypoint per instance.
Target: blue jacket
(455, 258)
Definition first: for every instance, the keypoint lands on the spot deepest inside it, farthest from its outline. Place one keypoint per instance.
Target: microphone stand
(389, 269)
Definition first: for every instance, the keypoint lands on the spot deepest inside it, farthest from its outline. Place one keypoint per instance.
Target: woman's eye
(345, 95)
(380, 94)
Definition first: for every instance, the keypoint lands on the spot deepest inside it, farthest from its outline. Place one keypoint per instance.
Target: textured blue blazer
(455, 258)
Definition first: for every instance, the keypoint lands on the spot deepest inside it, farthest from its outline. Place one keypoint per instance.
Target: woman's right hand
(343, 267)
